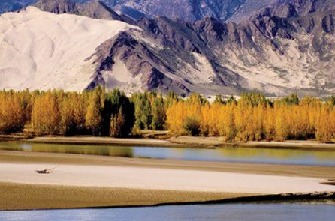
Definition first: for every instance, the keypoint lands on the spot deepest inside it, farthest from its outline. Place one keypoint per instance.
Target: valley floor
(96, 181)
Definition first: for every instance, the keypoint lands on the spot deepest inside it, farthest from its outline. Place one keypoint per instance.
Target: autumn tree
(45, 114)
(72, 111)
(93, 113)
(12, 117)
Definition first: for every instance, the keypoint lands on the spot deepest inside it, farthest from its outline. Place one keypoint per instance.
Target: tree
(192, 126)
(45, 114)
(117, 125)
(175, 117)
(117, 115)
(12, 117)
(219, 100)
(281, 126)
(158, 113)
(269, 123)
(143, 112)
(72, 109)
(324, 127)
(93, 113)
(293, 99)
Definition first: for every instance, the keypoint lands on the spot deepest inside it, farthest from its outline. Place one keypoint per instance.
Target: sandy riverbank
(96, 181)
(182, 141)
(159, 179)
(324, 172)
(26, 197)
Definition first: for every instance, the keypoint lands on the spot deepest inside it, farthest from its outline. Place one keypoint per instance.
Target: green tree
(117, 110)
(158, 113)
(219, 99)
(117, 125)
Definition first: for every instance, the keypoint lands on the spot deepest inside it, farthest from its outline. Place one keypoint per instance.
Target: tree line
(253, 117)
(56, 112)
(96, 112)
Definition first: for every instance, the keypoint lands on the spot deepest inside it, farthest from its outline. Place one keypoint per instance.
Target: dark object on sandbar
(44, 171)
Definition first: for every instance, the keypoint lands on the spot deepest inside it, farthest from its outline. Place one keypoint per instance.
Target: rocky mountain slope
(185, 10)
(11, 5)
(284, 48)
(92, 9)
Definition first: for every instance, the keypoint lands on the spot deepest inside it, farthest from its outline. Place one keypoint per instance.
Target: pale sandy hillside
(40, 50)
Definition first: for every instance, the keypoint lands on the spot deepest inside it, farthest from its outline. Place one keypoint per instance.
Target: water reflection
(245, 155)
(231, 212)
(69, 149)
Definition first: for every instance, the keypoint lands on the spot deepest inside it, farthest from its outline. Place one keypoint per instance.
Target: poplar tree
(45, 114)
(93, 113)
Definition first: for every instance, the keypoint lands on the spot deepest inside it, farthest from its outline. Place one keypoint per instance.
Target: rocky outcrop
(185, 10)
(94, 9)
(141, 60)
(61, 6)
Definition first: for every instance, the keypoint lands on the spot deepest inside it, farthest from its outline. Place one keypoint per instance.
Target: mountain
(191, 10)
(185, 10)
(76, 53)
(286, 47)
(55, 49)
(12, 5)
(93, 9)
(289, 45)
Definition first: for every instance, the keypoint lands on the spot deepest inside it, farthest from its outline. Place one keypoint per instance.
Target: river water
(230, 212)
(228, 154)
(221, 212)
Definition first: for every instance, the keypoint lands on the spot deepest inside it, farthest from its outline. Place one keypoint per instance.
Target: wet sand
(26, 197)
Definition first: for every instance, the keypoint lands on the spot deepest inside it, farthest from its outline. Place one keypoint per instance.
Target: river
(219, 212)
(228, 154)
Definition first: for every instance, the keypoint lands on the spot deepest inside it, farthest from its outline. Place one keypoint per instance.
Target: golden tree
(45, 114)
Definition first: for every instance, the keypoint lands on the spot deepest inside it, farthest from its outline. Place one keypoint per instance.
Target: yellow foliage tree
(45, 114)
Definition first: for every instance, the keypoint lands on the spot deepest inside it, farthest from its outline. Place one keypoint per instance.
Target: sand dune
(40, 50)
(159, 179)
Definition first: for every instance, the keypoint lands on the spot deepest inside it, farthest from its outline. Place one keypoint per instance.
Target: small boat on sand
(44, 171)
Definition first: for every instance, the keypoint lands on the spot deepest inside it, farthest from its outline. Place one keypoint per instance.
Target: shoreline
(46, 197)
(175, 142)
(88, 181)
(326, 172)
(84, 182)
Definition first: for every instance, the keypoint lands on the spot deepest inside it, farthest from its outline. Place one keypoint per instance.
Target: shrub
(192, 126)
